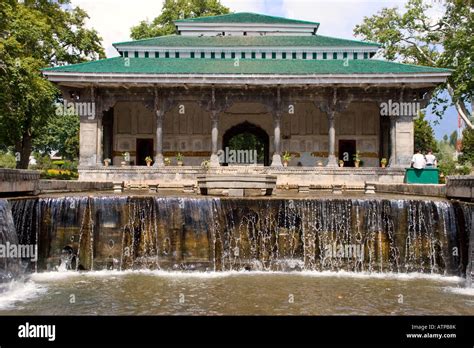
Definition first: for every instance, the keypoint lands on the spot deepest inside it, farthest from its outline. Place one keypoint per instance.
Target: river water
(236, 293)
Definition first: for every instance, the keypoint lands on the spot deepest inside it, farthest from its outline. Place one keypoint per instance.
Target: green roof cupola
(244, 24)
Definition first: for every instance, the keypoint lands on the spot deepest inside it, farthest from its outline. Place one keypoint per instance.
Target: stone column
(332, 160)
(88, 143)
(100, 137)
(160, 114)
(97, 103)
(276, 160)
(393, 143)
(214, 137)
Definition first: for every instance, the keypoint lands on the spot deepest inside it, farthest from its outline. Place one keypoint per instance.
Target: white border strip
(242, 79)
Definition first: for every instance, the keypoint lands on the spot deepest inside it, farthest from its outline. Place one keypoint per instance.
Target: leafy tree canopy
(424, 135)
(421, 36)
(467, 147)
(35, 34)
(61, 134)
(173, 10)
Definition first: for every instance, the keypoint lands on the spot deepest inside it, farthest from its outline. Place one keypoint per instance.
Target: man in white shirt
(418, 160)
(431, 160)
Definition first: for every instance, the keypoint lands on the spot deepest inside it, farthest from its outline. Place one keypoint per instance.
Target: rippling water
(235, 293)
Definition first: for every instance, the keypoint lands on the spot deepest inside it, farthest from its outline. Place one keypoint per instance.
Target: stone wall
(48, 186)
(460, 187)
(412, 189)
(18, 180)
(173, 176)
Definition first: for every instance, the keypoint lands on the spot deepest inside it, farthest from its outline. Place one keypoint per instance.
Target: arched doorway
(247, 136)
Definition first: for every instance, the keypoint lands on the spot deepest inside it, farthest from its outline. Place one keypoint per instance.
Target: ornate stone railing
(175, 176)
(18, 180)
(461, 187)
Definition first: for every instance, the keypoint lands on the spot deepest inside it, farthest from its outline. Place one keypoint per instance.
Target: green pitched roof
(245, 17)
(246, 66)
(247, 41)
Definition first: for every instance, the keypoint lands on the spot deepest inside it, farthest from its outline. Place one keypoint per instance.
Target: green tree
(445, 156)
(453, 138)
(248, 141)
(35, 35)
(417, 37)
(61, 134)
(173, 10)
(424, 135)
(467, 146)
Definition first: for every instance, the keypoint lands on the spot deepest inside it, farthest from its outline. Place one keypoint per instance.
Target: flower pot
(356, 164)
(106, 163)
(180, 163)
(383, 165)
(148, 164)
(123, 163)
(341, 164)
(285, 163)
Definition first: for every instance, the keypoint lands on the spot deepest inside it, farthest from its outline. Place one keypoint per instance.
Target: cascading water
(10, 267)
(373, 235)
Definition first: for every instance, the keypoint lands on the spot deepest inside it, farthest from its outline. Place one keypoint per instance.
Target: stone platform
(178, 177)
(13, 181)
(460, 187)
(237, 185)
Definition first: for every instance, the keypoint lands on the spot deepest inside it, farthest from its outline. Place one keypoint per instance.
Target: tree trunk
(24, 147)
(460, 108)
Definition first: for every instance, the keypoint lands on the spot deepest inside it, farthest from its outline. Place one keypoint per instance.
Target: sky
(113, 19)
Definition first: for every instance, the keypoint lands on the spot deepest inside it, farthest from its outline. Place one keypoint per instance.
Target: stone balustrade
(18, 180)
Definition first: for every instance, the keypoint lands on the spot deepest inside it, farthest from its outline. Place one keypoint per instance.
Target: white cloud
(245, 5)
(113, 18)
(336, 17)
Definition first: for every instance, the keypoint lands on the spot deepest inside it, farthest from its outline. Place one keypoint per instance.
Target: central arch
(247, 136)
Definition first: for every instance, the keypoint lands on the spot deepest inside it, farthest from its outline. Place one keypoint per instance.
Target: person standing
(418, 160)
(431, 160)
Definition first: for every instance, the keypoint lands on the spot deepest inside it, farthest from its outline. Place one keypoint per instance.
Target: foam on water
(460, 291)
(53, 276)
(15, 291)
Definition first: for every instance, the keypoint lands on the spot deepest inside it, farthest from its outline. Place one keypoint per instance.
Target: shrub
(59, 174)
(7, 160)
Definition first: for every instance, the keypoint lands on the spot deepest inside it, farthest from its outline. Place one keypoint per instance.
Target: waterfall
(10, 268)
(135, 232)
(466, 221)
